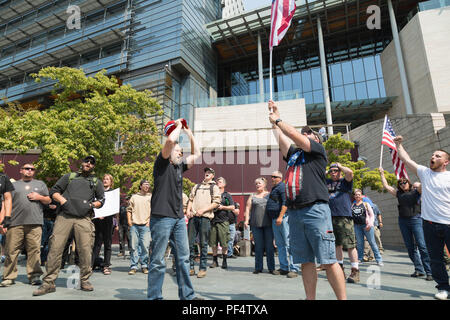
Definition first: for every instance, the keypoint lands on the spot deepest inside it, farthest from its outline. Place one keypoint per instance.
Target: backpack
(211, 190)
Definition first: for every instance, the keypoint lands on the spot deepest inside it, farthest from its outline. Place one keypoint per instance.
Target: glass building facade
(160, 45)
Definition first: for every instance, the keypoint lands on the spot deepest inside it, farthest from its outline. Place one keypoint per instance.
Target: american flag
(388, 140)
(280, 20)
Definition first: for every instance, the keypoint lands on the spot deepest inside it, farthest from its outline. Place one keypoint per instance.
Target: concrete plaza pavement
(390, 282)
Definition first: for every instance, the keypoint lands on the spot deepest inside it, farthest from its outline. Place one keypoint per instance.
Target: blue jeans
(231, 241)
(140, 242)
(47, 230)
(360, 232)
(436, 235)
(164, 229)
(412, 232)
(281, 235)
(199, 226)
(263, 238)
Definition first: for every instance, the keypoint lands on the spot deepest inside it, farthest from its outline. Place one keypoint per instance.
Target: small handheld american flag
(388, 140)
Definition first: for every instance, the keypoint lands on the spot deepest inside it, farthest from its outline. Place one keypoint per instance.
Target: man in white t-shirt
(435, 205)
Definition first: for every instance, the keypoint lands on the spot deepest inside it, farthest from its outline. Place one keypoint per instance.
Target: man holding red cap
(167, 218)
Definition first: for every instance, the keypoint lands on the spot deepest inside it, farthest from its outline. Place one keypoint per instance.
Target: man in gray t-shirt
(24, 226)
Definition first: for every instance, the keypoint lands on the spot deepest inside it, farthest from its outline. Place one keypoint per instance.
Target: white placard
(111, 206)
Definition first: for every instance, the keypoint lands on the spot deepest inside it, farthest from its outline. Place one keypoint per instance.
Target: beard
(175, 160)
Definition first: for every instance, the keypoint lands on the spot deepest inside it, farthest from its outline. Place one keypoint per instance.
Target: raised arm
(390, 189)
(195, 149)
(404, 156)
(348, 173)
(172, 140)
(300, 140)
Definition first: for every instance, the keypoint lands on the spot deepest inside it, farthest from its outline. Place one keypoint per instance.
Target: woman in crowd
(363, 219)
(410, 224)
(261, 227)
(103, 232)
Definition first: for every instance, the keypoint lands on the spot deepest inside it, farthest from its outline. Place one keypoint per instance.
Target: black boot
(215, 262)
(224, 261)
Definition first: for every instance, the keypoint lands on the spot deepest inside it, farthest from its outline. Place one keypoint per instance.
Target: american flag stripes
(388, 140)
(280, 20)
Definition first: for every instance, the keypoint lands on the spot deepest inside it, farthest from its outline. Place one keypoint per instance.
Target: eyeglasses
(275, 177)
(31, 169)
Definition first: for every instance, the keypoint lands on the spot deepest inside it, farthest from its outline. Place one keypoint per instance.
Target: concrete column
(324, 73)
(260, 71)
(401, 65)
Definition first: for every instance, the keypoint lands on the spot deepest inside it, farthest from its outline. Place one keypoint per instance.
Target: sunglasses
(275, 177)
(334, 170)
(31, 169)
(89, 161)
(403, 183)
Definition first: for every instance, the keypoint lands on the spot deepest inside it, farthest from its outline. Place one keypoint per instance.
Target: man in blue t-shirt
(339, 190)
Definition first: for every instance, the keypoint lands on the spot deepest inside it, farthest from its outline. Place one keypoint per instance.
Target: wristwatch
(277, 121)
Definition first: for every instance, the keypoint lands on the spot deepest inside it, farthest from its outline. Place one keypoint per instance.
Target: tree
(338, 148)
(88, 116)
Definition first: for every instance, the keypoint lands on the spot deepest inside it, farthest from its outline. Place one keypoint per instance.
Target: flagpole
(270, 75)
(382, 133)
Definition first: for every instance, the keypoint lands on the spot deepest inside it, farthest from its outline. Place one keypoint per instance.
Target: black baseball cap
(210, 170)
(89, 157)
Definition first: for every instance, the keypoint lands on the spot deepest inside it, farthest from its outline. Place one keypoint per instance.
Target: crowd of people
(307, 218)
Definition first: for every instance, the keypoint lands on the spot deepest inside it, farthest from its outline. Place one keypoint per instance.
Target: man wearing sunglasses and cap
(310, 227)
(78, 193)
(24, 226)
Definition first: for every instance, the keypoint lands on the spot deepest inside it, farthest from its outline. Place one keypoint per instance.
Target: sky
(253, 4)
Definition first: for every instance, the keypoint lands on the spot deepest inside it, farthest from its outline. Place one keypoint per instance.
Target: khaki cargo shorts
(344, 232)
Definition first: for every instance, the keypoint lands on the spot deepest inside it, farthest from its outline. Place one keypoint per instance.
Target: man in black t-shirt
(220, 225)
(310, 226)
(167, 218)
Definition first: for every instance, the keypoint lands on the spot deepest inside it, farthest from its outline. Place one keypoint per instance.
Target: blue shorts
(311, 236)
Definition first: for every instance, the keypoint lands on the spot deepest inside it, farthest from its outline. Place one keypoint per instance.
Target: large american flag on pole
(388, 140)
(280, 20)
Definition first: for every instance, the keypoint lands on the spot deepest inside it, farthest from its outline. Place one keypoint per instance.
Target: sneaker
(274, 272)
(132, 272)
(120, 254)
(417, 274)
(283, 272)
(354, 276)
(365, 259)
(224, 264)
(380, 264)
(86, 286)
(441, 295)
(44, 289)
(35, 281)
(429, 277)
(7, 283)
(145, 270)
(292, 274)
(201, 274)
(192, 272)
